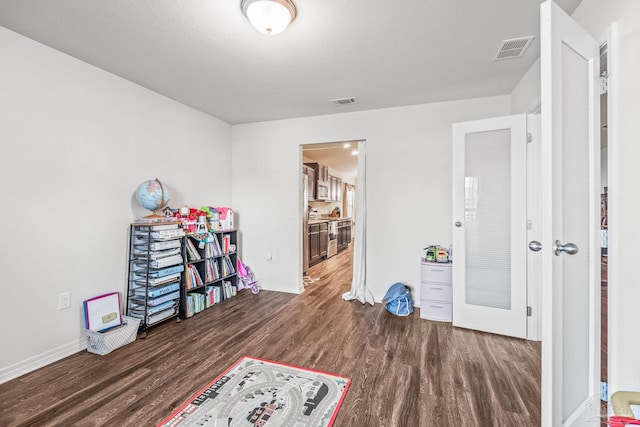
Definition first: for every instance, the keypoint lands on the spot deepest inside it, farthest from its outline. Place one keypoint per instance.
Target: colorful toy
(246, 279)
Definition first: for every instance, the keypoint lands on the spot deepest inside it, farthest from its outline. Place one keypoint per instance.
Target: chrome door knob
(458, 224)
(535, 246)
(569, 248)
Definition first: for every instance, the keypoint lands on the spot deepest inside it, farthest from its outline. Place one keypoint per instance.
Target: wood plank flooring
(405, 371)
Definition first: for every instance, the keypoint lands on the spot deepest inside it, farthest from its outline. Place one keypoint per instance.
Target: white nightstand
(436, 291)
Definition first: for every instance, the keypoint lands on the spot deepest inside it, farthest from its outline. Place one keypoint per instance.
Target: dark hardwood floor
(405, 371)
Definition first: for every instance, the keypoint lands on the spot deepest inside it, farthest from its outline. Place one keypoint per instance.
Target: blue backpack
(398, 300)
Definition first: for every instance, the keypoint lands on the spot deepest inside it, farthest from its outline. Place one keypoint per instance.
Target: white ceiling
(336, 155)
(204, 53)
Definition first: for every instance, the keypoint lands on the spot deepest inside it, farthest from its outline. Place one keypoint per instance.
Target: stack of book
(227, 266)
(192, 277)
(195, 303)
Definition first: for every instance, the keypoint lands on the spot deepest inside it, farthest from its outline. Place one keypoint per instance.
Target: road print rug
(257, 392)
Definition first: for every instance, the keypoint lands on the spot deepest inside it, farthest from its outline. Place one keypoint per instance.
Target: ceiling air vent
(345, 101)
(513, 48)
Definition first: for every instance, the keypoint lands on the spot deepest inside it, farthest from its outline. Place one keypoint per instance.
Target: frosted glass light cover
(268, 17)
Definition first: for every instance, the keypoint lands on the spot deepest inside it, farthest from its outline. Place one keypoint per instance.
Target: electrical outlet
(269, 256)
(64, 300)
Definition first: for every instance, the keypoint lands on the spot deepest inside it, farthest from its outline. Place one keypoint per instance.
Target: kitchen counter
(317, 221)
(320, 221)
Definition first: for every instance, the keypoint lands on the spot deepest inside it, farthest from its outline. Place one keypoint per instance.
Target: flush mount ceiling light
(269, 16)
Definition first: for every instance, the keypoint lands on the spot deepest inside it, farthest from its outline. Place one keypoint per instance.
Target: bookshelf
(209, 271)
(155, 273)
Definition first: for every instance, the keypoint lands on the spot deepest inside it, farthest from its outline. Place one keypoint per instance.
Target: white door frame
(610, 38)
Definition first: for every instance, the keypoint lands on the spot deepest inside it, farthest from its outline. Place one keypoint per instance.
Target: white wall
(525, 97)
(408, 186)
(76, 142)
(624, 289)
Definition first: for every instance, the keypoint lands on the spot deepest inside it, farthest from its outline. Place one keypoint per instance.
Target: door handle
(458, 224)
(535, 246)
(569, 248)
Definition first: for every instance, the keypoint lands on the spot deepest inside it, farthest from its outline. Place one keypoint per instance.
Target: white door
(489, 231)
(570, 222)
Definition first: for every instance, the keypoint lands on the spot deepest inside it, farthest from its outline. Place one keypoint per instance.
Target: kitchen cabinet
(335, 186)
(322, 181)
(317, 242)
(314, 244)
(321, 171)
(311, 181)
(344, 233)
(324, 239)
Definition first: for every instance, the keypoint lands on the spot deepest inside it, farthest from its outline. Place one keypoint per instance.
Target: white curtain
(359, 290)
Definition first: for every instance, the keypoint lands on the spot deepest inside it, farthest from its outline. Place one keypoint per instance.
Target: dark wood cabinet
(344, 234)
(335, 188)
(321, 180)
(317, 242)
(314, 244)
(311, 181)
(324, 239)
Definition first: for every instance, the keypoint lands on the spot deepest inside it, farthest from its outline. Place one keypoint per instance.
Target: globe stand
(155, 215)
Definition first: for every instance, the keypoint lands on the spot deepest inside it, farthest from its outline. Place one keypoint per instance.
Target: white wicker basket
(105, 342)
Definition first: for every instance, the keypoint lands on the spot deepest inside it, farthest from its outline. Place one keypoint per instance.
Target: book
(193, 279)
(155, 292)
(192, 252)
(226, 242)
(227, 266)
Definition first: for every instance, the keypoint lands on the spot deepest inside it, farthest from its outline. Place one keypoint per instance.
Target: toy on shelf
(201, 224)
(213, 217)
(435, 253)
(188, 216)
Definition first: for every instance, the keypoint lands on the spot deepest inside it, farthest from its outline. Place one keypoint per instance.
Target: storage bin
(433, 310)
(436, 292)
(105, 342)
(434, 272)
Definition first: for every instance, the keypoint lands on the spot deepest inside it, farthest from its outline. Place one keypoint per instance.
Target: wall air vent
(513, 48)
(344, 101)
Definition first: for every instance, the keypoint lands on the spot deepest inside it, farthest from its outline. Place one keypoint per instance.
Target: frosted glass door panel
(488, 218)
(489, 230)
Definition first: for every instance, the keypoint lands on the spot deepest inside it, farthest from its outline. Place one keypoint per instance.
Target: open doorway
(329, 181)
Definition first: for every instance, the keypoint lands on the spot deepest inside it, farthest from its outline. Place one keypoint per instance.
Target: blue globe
(152, 195)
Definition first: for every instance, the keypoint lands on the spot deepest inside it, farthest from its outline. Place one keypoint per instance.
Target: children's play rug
(256, 392)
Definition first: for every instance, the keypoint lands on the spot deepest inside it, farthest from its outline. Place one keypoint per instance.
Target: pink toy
(246, 279)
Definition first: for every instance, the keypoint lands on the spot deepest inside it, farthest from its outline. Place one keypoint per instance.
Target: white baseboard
(267, 287)
(41, 360)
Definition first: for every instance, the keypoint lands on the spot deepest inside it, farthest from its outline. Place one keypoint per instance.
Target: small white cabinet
(435, 291)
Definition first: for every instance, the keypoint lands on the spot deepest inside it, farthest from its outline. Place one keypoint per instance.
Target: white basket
(105, 342)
